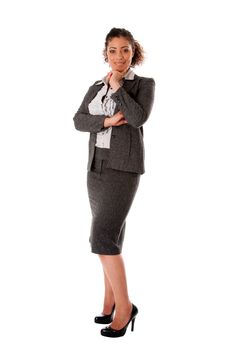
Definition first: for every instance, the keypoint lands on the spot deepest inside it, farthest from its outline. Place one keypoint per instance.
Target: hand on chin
(114, 77)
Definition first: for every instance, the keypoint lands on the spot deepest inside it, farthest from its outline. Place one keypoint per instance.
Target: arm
(136, 111)
(84, 121)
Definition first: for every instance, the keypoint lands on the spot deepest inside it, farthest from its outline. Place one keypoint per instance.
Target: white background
(178, 246)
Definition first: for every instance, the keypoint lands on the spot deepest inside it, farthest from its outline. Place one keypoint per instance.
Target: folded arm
(136, 111)
(84, 121)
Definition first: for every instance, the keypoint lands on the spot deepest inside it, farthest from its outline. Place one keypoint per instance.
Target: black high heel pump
(114, 333)
(105, 319)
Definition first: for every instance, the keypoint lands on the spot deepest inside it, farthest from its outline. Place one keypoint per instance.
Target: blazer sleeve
(136, 111)
(84, 121)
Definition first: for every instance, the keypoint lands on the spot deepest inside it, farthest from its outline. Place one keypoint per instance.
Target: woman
(113, 112)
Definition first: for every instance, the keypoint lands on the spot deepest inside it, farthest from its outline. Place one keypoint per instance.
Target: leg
(108, 296)
(114, 269)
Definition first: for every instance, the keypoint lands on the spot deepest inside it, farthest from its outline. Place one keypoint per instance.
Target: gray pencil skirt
(111, 193)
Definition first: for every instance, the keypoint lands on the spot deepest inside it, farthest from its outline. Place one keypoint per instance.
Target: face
(119, 54)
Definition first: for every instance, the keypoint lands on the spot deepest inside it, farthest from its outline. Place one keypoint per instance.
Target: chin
(120, 69)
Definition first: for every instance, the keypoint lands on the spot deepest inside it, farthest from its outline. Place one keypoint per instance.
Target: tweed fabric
(135, 100)
(111, 193)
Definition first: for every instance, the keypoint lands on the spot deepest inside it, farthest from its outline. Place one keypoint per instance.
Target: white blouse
(103, 104)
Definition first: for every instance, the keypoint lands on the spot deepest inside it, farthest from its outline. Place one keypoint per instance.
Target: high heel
(105, 319)
(132, 324)
(114, 333)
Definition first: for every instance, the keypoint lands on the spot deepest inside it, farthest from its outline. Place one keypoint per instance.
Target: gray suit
(135, 100)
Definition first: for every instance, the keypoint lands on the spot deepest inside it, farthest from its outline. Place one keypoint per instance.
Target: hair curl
(138, 56)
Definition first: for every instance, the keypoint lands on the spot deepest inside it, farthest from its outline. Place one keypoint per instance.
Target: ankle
(108, 307)
(124, 308)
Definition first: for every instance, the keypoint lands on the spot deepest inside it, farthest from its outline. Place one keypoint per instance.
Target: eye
(126, 50)
(111, 51)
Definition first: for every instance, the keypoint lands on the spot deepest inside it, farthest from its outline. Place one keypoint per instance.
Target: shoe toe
(103, 319)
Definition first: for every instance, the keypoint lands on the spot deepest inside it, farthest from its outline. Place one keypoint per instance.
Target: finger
(119, 117)
(120, 113)
(121, 122)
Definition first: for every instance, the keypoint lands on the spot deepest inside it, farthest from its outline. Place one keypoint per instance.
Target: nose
(119, 55)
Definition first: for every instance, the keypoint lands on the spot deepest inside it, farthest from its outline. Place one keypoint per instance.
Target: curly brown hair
(138, 56)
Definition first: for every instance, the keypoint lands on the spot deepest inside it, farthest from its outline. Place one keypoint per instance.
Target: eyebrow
(112, 47)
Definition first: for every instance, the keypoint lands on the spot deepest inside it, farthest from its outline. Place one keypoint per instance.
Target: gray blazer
(135, 100)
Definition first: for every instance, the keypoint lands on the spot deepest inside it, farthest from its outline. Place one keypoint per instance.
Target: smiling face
(119, 54)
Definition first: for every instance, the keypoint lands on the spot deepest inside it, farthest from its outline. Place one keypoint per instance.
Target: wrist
(115, 86)
(107, 122)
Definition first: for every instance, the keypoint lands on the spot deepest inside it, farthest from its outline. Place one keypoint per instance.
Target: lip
(119, 62)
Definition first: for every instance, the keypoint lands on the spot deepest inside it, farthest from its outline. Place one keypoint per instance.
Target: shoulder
(98, 82)
(144, 80)
(146, 85)
(96, 86)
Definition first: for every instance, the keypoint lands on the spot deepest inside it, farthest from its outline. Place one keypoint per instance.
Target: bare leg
(108, 296)
(114, 269)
